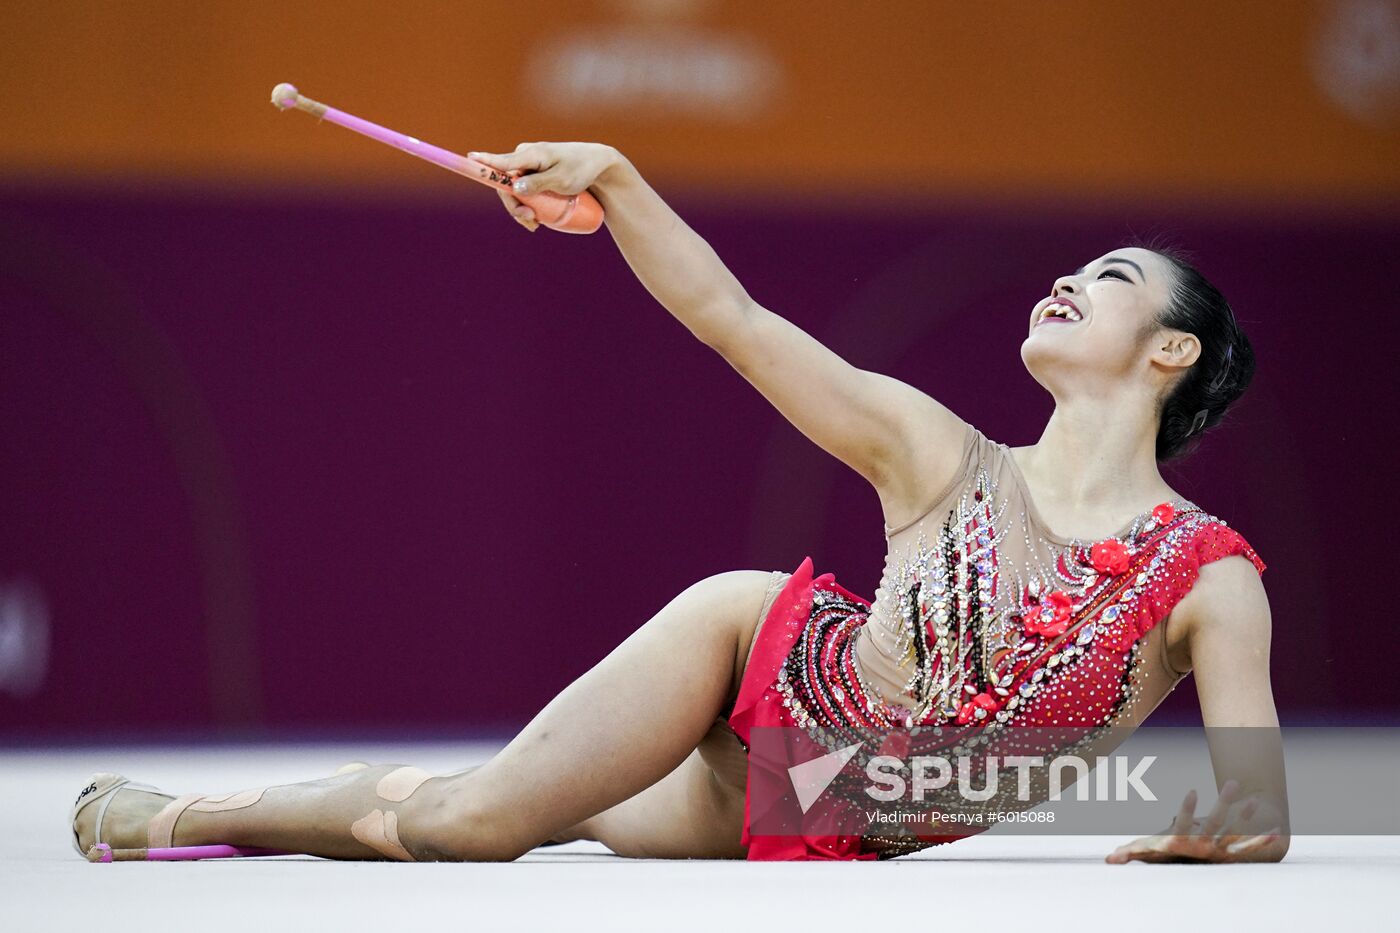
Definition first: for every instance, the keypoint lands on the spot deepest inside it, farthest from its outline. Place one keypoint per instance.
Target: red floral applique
(1051, 617)
(1164, 513)
(1210, 542)
(983, 701)
(1110, 556)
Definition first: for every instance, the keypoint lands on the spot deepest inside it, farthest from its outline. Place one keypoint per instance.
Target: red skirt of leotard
(760, 705)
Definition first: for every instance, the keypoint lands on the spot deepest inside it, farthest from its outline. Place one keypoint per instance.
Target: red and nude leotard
(984, 618)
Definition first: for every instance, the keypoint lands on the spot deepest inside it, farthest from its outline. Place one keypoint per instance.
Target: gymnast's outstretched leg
(622, 727)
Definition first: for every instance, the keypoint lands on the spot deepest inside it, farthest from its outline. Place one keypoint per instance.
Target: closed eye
(1116, 274)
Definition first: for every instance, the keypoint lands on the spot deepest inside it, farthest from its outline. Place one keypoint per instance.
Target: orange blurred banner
(1256, 101)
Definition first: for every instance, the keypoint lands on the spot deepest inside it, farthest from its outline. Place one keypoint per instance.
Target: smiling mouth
(1059, 311)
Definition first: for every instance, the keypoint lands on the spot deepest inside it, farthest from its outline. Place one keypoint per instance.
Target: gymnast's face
(1099, 323)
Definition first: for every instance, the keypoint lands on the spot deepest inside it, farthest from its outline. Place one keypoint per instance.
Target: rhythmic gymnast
(1063, 582)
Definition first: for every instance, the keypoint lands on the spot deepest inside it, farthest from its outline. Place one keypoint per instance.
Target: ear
(1175, 349)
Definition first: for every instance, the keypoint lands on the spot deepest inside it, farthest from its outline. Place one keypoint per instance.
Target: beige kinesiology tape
(398, 785)
(214, 803)
(160, 832)
(380, 831)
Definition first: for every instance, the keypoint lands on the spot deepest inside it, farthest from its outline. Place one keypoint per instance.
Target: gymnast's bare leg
(630, 754)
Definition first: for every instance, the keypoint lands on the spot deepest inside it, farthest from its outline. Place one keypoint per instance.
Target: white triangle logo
(810, 778)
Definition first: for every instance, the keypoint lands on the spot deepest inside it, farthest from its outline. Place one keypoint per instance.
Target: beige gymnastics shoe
(100, 789)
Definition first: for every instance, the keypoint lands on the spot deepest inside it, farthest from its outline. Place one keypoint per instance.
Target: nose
(1064, 285)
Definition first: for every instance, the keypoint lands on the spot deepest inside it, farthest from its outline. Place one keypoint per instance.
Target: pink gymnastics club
(578, 213)
(105, 853)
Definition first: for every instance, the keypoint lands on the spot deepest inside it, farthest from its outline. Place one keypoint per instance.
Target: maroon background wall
(300, 435)
(288, 464)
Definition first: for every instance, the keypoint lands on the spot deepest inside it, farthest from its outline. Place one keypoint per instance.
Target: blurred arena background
(305, 438)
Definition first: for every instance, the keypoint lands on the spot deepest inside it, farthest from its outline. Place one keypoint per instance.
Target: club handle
(579, 213)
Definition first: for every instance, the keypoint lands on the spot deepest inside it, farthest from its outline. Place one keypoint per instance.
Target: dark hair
(1220, 374)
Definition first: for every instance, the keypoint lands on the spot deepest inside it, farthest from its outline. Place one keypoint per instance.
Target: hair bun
(1201, 396)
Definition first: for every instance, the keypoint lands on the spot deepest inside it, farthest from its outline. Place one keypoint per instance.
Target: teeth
(1055, 309)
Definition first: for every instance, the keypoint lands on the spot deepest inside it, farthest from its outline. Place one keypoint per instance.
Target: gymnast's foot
(126, 810)
(127, 815)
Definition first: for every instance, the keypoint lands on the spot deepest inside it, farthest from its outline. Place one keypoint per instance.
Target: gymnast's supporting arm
(897, 437)
(1223, 625)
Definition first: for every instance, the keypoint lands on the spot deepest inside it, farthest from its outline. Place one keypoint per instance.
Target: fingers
(1254, 845)
(1123, 854)
(1216, 820)
(527, 157)
(1119, 856)
(521, 213)
(556, 168)
(1186, 816)
(556, 180)
(1146, 849)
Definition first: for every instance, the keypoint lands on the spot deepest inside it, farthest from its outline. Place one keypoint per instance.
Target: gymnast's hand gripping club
(578, 213)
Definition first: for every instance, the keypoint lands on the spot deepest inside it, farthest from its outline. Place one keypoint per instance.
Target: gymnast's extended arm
(894, 435)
